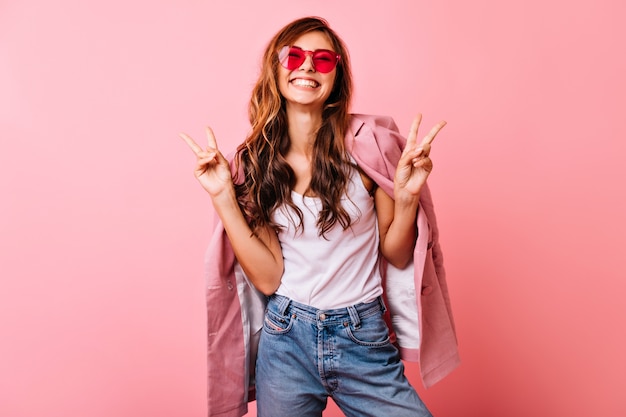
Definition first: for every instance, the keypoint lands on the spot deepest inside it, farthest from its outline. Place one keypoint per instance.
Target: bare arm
(259, 254)
(397, 217)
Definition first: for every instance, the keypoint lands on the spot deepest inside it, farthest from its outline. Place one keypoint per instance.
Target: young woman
(318, 207)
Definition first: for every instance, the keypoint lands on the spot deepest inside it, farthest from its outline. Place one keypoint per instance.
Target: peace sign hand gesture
(415, 164)
(212, 169)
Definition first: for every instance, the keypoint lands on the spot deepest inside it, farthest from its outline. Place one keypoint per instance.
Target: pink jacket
(419, 305)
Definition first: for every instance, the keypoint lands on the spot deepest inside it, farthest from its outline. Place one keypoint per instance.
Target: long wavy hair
(268, 178)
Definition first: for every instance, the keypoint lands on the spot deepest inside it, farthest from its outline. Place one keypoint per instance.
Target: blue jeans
(307, 355)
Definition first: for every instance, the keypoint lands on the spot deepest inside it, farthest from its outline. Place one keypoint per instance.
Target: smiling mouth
(305, 83)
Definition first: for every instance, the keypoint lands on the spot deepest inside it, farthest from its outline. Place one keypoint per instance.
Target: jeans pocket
(372, 332)
(277, 324)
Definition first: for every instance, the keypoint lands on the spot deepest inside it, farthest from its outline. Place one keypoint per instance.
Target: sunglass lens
(324, 61)
(291, 58)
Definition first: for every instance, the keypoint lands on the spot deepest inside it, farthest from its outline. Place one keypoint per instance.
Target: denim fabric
(307, 355)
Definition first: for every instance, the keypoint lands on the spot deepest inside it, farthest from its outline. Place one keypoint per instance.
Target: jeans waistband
(286, 306)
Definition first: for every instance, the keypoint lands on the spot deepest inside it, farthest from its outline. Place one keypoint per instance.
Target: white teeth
(305, 83)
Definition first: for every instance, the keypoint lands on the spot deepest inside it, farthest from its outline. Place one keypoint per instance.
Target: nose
(308, 65)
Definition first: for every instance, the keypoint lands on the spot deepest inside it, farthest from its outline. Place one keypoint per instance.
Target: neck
(303, 127)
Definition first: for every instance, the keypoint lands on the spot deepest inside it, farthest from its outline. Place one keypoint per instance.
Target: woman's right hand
(212, 169)
(258, 253)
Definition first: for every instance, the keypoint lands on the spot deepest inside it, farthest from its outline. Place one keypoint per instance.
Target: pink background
(103, 227)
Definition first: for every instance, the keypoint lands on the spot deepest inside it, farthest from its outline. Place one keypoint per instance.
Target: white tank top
(339, 270)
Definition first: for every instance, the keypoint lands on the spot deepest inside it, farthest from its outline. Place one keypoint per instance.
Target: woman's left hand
(415, 164)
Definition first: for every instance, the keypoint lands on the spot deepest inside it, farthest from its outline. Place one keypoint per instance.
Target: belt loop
(354, 316)
(283, 304)
(381, 300)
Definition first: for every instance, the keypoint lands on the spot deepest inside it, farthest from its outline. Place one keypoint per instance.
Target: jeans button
(322, 316)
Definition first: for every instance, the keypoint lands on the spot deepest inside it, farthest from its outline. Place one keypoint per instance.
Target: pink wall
(103, 227)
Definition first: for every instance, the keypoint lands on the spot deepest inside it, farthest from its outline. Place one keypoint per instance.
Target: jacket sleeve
(226, 352)
(423, 321)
